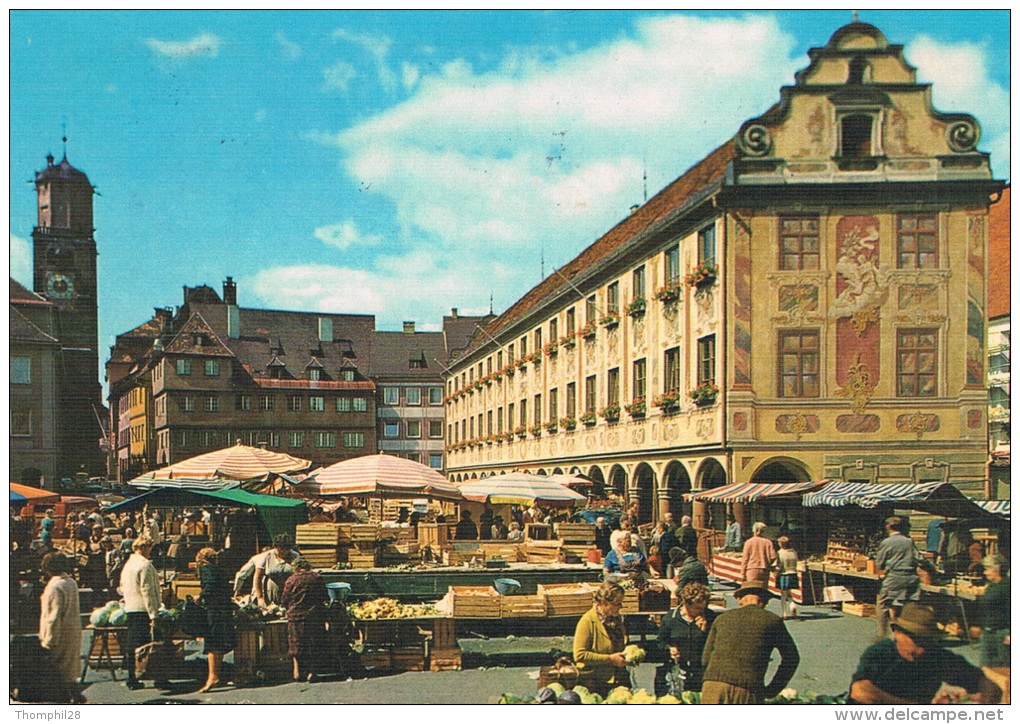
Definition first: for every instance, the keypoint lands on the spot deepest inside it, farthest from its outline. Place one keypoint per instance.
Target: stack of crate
(542, 551)
(474, 601)
(319, 543)
(444, 651)
(401, 546)
(567, 599)
(363, 552)
(577, 539)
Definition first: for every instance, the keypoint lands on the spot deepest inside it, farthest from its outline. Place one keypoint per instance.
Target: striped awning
(148, 481)
(521, 489)
(378, 475)
(995, 507)
(936, 498)
(749, 492)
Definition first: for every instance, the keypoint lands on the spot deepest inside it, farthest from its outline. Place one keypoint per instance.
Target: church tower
(64, 271)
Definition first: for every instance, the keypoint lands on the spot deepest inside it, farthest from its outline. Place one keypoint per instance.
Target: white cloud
(378, 47)
(344, 236)
(204, 44)
(290, 49)
(260, 115)
(961, 82)
(21, 260)
(409, 75)
(339, 75)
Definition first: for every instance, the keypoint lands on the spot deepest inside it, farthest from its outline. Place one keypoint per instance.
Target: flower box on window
(589, 418)
(551, 349)
(667, 401)
(610, 320)
(509, 370)
(669, 294)
(522, 364)
(552, 427)
(535, 430)
(610, 412)
(568, 341)
(588, 331)
(508, 437)
(704, 394)
(636, 408)
(521, 431)
(702, 275)
(568, 423)
(535, 358)
(637, 307)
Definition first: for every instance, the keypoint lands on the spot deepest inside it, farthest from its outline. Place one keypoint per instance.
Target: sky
(405, 163)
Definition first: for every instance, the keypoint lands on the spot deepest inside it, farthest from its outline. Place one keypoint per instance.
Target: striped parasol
(228, 466)
(748, 492)
(521, 489)
(377, 476)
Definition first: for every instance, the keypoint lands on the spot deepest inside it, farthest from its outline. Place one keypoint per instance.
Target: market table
(101, 636)
(727, 567)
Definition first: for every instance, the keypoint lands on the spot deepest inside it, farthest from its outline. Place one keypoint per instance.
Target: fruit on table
(667, 699)
(619, 695)
(641, 696)
(633, 654)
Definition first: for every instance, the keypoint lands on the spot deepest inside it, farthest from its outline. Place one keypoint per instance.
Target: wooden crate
(245, 654)
(537, 531)
(317, 535)
(362, 559)
(380, 658)
(445, 659)
(576, 532)
(433, 534)
(408, 658)
(112, 645)
(364, 535)
(550, 675)
(574, 552)
(184, 588)
(631, 601)
(859, 608)
(542, 551)
(320, 557)
(522, 606)
(444, 634)
(460, 557)
(500, 549)
(343, 533)
(475, 602)
(378, 632)
(566, 599)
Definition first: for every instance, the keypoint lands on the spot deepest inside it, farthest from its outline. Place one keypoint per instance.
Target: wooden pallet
(576, 532)
(317, 535)
(567, 599)
(522, 606)
(359, 559)
(475, 602)
(859, 608)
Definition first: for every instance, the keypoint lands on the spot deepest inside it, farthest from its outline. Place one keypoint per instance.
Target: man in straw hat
(738, 649)
(912, 667)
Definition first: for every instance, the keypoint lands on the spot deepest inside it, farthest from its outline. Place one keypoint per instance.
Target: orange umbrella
(378, 476)
(229, 465)
(34, 495)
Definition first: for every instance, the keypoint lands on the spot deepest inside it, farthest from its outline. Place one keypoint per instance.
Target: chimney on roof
(408, 327)
(453, 312)
(325, 329)
(229, 291)
(634, 208)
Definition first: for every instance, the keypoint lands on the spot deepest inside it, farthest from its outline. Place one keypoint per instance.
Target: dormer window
(855, 136)
(314, 375)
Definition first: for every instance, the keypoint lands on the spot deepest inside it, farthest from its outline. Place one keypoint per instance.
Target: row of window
(413, 429)
(413, 396)
(272, 439)
(267, 403)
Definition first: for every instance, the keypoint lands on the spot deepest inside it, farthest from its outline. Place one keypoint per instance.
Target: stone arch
(474, 476)
(781, 470)
(557, 471)
(541, 471)
(642, 490)
(617, 480)
(676, 482)
(31, 477)
(711, 474)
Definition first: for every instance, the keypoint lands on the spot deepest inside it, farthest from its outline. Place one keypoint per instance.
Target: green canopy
(279, 515)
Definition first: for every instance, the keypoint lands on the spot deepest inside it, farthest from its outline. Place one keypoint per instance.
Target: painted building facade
(806, 302)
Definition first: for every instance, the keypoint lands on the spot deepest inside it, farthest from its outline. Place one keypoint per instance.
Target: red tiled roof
(998, 257)
(315, 384)
(706, 172)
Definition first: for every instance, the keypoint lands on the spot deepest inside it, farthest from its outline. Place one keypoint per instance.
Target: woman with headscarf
(599, 640)
(220, 636)
(60, 626)
(759, 556)
(305, 597)
(273, 569)
(624, 561)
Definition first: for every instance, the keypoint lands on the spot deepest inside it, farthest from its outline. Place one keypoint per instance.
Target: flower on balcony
(477, 385)
(535, 430)
(568, 423)
(636, 307)
(611, 319)
(589, 417)
(669, 294)
(702, 275)
(521, 431)
(522, 364)
(610, 412)
(636, 408)
(497, 375)
(704, 394)
(551, 348)
(588, 330)
(490, 439)
(508, 437)
(667, 401)
(551, 427)
(569, 341)
(509, 370)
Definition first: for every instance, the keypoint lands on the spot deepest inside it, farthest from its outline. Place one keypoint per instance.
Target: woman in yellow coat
(599, 641)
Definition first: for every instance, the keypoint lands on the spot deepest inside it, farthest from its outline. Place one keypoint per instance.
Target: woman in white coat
(60, 627)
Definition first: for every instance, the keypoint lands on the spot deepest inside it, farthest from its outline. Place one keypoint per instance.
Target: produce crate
(245, 654)
(522, 606)
(343, 533)
(537, 531)
(361, 559)
(364, 535)
(542, 551)
(184, 588)
(575, 532)
(317, 535)
(859, 608)
(653, 600)
(631, 601)
(574, 553)
(475, 602)
(445, 659)
(552, 675)
(460, 557)
(566, 599)
(500, 549)
(320, 557)
(376, 658)
(380, 631)
(408, 658)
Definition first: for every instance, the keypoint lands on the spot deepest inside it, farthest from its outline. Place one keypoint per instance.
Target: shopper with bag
(219, 636)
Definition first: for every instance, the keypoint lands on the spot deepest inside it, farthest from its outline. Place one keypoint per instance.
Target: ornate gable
(197, 337)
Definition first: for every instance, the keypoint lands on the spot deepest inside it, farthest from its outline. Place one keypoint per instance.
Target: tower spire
(854, 16)
(63, 138)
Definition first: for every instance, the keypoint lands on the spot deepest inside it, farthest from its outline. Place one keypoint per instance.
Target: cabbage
(641, 696)
(569, 697)
(667, 699)
(581, 690)
(100, 617)
(691, 697)
(633, 654)
(557, 687)
(619, 695)
(118, 617)
(110, 605)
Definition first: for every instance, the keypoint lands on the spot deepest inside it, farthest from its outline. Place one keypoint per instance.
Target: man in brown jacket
(738, 649)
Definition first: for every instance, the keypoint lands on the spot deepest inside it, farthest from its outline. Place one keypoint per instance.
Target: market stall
(226, 467)
(775, 503)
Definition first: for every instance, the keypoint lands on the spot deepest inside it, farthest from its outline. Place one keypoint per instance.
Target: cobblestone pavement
(830, 645)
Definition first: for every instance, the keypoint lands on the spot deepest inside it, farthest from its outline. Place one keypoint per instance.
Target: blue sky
(403, 163)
